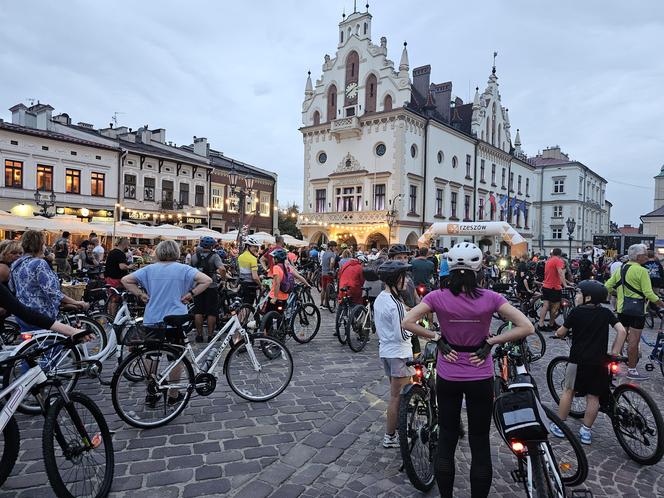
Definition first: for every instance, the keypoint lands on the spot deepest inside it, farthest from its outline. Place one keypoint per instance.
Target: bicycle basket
(519, 415)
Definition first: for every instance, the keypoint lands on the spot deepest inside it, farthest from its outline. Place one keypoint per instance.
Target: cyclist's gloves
(483, 351)
(444, 347)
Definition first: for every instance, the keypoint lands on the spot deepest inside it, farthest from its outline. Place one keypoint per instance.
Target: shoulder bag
(632, 306)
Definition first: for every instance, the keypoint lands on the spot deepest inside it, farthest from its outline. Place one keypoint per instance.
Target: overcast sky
(585, 75)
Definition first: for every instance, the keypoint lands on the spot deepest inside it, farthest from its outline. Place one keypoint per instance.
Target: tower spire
(493, 70)
(354, 6)
(309, 88)
(403, 63)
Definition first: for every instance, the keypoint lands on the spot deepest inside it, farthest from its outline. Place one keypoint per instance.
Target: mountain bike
(360, 324)
(657, 353)
(635, 417)
(257, 368)
(342, 317)
(77, 444)
(295, 319)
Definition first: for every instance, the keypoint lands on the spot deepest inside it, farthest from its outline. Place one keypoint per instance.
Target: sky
(587, 76)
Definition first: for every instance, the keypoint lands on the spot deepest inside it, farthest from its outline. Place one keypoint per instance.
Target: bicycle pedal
(518, 475)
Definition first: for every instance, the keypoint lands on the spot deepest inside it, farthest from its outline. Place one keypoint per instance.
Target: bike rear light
(418, 372)
(565, 467)
(517, 446)
(614, 368)
(25, 336)
(421, 289)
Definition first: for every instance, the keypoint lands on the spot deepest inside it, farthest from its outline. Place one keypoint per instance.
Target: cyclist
(524, 280)
(423, 268)
(400, 252)
(351, 275)
(585, 268)
(248, 267)
(116, 268)
(586, 372)
(464, 312)
(554, 281)
(206, 304)
(328, 265)
(395, 347)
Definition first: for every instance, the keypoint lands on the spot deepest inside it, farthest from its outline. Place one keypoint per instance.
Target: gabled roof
(53, 136)
(657, 213)
(166, 152)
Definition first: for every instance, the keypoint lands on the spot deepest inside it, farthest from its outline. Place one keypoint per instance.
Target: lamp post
(45, 201)
(571, 225)
(391, 217)
(242, 194)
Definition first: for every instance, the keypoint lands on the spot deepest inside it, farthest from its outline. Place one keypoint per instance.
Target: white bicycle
(77, 444)
(154, 383)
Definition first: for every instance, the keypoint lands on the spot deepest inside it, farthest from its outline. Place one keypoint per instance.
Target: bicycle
(75, 436)
(657, 353)
(634, 415)
(535, 344)
(342, 317)
(360, 324)
(298, 320)
(162, 368)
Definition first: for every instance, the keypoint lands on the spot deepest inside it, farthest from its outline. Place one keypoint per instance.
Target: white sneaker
(390, 441)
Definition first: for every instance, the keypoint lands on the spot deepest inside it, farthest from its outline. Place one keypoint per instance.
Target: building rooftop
(657, 213)
(53, 136)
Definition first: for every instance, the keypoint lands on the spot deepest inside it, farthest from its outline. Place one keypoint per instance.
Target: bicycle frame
(19, 389)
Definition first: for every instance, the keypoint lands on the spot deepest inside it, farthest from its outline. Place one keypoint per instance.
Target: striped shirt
(394, 341)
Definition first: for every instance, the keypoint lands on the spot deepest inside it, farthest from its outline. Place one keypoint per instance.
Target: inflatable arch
(518, 244)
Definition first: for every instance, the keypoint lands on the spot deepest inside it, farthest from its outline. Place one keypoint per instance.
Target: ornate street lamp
(571, 225)
(391, 217)
(241, 194)
(45, 201)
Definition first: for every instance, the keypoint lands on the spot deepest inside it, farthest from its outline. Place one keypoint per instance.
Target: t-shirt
(328, 258)
(165, 283)
(551, 277)
(521, 275)
(208, 263)
(464, 321)
(277, 271)
(422, 271)
(444, 268)
(247, 264)
(615, 266)
(590, 333)
(115, 257)
(393, 341)
(98, 251)
(292, 257)
(655, 272)
(585, 269)
(343, 261)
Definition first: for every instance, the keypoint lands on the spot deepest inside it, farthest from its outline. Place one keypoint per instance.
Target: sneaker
(390, 441)
(634, 374)
(555, 430)
(199, 338)
(585, 435)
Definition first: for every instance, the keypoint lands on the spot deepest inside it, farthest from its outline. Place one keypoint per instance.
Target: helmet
(391, 271)
(207, 242)
(465, 256)
(362, 258)
(359, 253)
(250, 241)
(344, 246)
(595, 290)
(397, 249)
(280, 255)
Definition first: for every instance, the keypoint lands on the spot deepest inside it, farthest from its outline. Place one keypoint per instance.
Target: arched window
(352, 70)
(316, 118)
(341, 36)
(370, 90)
(332, 103)
(365, 28)
(387, 103)
(499, 130)
(488, 133)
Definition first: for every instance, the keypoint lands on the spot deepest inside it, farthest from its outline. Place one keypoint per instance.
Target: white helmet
(250, 241)
(362, 258)
(465, 256)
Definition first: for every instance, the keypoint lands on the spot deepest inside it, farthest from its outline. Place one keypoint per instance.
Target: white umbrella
(229, 237)
(263, 237)
(289, 240)
(172, 232)
(208, 232)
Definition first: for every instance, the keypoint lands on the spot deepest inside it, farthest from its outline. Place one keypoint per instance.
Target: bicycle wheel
(305, 323)
(555, 379)
(331, 298)
(10, 334)
(415, 421)
(535, 346)
(10, 441)
(340, 322)
(357, 328)
(638, 424)
(273, 324)
(542, 486)
(570, 458)
(76, 465)
(164, 388)
(98, 326)
(57, 362)
(267, 377)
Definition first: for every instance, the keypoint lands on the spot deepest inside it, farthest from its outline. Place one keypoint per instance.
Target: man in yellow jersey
(248, 265)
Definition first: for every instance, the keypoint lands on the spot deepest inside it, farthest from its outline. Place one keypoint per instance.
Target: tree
(288, 221)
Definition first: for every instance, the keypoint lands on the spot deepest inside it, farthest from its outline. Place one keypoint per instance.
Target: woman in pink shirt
(464, 367)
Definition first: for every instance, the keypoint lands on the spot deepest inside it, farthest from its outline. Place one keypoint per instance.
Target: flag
(513, 203)
(502, 201)
(492, 200)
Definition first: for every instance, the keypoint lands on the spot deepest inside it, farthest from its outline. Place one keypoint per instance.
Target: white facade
(653, 222)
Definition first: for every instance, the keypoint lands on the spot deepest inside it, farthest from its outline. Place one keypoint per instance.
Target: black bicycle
(342, 317)
(299, 320)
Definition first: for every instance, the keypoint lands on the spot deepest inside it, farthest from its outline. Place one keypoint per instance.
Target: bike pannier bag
(519, 415)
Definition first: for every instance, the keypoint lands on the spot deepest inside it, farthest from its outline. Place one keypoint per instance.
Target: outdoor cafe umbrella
(208, 232)
(289, 240)
(172, 232)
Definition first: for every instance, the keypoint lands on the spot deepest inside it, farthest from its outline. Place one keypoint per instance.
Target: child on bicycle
(395, 348)
(587, 371)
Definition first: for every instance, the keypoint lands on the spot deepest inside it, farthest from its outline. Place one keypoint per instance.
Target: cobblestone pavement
(321, 437)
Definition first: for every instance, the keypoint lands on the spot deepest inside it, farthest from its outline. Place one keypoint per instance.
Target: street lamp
(391, 216)
(44, 202)
(242, 195)
(571, 225)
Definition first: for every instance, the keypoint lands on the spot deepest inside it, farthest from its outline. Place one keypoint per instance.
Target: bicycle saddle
(177, 320)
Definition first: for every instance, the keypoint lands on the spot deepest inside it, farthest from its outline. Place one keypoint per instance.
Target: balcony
(346, 127)
(343, 218)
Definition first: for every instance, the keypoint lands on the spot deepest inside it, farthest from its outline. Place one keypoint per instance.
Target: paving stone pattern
(321, 437)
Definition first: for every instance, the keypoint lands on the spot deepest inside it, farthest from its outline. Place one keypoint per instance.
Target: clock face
(351, 90)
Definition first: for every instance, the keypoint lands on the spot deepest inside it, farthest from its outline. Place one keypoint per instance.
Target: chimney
(18, 114)
(62, 119)
(442, 93)
(43, 114)
(421, 79)
(159, 135)
(201, 146)
(144, 135)
(554, 152)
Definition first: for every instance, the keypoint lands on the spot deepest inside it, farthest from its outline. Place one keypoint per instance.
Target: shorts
(586, 379)
(551, 295)
(326, 280)
(634, 322)
(207, 303)
(248, 292)
(396, 367)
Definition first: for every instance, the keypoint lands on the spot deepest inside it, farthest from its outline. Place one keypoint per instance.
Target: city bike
(162, 376)
(295, 319)
(360, 324)
(77, 444)
(342, 317)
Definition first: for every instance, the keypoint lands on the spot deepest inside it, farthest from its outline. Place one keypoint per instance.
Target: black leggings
(479, 405)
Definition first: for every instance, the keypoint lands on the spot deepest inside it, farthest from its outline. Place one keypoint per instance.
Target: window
(413, 151)
(370, 94)
(466, 207)
(440, 156)
(149, 189)
(453, 204)
(98, 158)
(412, 199)
(316, 118)
(525, 217)
(439, 202)
(511, 181)
(184, 194)
(129, 186)
(557, 233)
(321, 195)
(518, 185)
(387, 103)
(45, 178)
(322, 157)
(167, 188)
(455, 162)
(13, 174)
(493, 175)
(265, 204)
(559, 186)
(200, 196)
(217, 198)
(468, 160)
(98, 180)
(380, 149)
(503, 178)
(14, 142)
(482, 170)
(349, 199)
(332, 103)
(481, 209)
(73, 181)
(557, 211)
(527, 186)
(44, 147)
(379, 197)
(74, 153)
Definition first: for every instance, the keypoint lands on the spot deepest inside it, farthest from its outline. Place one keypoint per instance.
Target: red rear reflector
(25, 336)
(614, 368)
(517, 446)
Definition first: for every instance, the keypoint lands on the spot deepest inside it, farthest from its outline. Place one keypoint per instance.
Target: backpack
(205, 265)
(288, 282)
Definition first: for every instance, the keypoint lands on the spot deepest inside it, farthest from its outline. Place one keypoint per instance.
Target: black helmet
(397, 249)
(391, 271)
(595, 290)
